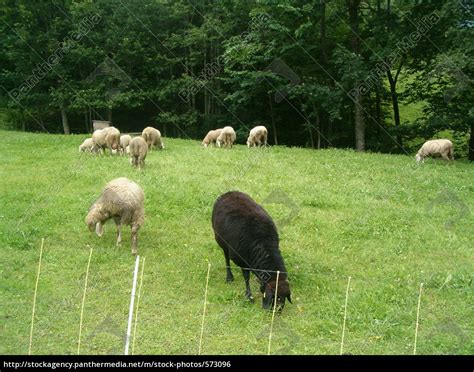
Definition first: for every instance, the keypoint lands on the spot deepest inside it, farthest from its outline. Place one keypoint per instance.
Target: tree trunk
(322, 31)
(318, 126)
(393, 92)
(359, 123)
(358, 99)
(189, 71)
(310, 134)
(86, 122)
(23, 121)
(65, 121)
(109, 115)
(471, 143)
(378, 105)
(206, 91)
(396, 111)
(394, 95)
(275, 140)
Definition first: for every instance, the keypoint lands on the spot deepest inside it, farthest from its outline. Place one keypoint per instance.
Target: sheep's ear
(267, 297)
(99, 229)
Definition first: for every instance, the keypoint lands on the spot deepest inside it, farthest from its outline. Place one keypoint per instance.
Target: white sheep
(152, 137)
(87, 146)
(124, 142)
(439, 147)
(138, 149)
(211, 137)
(121, 200)
(107, 138)
(226, 138)
(257, 136)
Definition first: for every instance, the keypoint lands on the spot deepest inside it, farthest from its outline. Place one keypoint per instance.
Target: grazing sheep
(152, 137)
(107, 138)
(226, 138)
(439, 147)
(87, 146)
(121, 200)
(124, 142)
(211, 137)
(138, 150)
(248, 236)
(257, 136)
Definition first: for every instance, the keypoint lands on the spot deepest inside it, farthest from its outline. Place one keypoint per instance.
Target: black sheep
(248, 236)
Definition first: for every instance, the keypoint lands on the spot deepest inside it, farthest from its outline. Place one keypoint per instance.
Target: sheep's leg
(248, 292)
(119, 230)
(134, 239)
(229, 277)
(445, 156)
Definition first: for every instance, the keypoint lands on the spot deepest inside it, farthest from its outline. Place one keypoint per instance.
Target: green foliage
(288, 65)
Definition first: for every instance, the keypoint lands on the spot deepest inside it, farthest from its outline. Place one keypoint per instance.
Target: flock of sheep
(137, 147)
(242, 228)
(225, 137)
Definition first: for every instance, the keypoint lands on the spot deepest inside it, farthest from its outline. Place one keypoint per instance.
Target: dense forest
(371, 75)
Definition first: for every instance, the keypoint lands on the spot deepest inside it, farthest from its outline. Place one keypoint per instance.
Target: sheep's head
(283, 293)
(95, 219)
(418, 158)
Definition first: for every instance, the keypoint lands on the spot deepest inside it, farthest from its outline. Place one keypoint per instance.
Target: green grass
(381, 219)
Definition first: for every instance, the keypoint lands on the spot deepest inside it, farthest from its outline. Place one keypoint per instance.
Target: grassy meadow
(384, 221)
